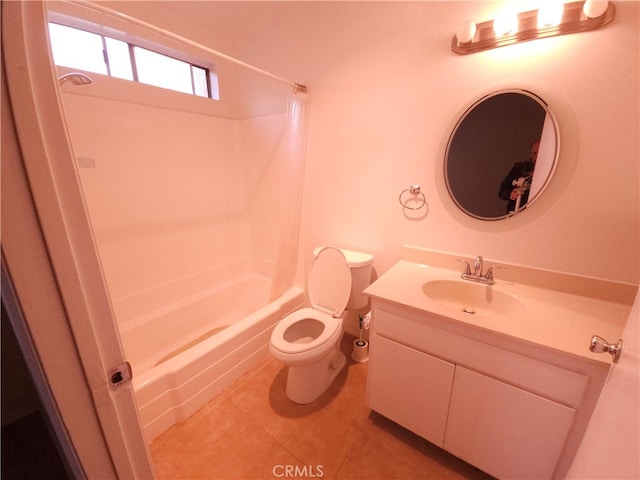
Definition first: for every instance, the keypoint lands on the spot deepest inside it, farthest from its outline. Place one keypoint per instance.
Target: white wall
(157, 195)
(175, 196)
(385, 89)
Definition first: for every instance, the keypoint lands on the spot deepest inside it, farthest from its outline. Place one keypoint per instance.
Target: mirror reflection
(501, 154)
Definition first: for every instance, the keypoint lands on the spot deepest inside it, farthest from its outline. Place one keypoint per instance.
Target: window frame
(132, 42)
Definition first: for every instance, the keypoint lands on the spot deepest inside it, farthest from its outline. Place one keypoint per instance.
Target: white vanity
(499, 375)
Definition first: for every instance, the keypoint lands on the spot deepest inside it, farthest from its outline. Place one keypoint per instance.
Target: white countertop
(562, 319)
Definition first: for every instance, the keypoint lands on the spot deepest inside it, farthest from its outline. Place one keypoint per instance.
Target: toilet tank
(360, 265)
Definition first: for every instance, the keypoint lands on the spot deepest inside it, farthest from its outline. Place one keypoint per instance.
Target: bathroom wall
(178, 199)
(385, 91)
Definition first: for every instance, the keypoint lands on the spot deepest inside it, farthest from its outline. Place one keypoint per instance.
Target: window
(77, 49)
(97, 53)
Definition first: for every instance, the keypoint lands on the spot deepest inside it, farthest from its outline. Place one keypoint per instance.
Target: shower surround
(187, 207)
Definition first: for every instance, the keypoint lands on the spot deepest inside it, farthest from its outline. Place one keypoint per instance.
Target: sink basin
(473, 298)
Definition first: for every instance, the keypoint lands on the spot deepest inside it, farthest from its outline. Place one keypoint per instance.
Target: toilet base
(306, 383)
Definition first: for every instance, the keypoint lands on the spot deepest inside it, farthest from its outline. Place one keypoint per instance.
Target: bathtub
(184, 354)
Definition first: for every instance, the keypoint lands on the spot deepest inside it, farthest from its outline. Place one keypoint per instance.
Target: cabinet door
(410, 387)
(503, 430)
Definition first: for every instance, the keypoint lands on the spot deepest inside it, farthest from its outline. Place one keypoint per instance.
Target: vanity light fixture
(549, 20)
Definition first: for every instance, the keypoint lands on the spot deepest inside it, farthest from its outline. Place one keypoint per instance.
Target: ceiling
(231, 19)
(234, 19)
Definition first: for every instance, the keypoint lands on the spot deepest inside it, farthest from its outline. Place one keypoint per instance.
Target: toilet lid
(329, 284)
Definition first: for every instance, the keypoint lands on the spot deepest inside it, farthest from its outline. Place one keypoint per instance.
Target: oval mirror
(501, 154)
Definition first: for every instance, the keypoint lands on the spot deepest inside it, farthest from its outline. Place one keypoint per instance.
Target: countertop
(562, 319)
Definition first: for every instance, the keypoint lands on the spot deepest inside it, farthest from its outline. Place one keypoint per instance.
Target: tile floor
(253, 431)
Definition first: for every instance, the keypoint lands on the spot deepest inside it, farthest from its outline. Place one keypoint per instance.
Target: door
(611, 443)
(504, 430)
(410, 387)
(52, 262)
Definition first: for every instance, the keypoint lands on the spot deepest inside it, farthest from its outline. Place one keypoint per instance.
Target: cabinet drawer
(553, 382)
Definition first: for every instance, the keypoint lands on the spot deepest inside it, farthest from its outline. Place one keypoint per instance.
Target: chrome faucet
(477, 275)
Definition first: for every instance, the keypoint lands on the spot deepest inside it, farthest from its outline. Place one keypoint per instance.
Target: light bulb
(550, 14)
(595, 8)
(505, 23)
(466, 31)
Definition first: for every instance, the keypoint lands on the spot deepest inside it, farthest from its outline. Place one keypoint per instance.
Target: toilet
(308, 340)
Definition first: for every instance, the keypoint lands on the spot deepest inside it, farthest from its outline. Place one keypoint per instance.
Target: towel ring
(416, 195)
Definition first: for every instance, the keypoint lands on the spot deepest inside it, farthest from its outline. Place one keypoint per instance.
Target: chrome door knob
(600, 345)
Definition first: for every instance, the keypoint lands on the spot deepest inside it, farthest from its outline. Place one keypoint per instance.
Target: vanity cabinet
(510, 414)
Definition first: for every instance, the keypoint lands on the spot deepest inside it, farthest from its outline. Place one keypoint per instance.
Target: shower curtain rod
(107, 11)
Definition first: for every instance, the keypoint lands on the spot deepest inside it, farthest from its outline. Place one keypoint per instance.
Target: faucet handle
(489, 274)
(467, 270)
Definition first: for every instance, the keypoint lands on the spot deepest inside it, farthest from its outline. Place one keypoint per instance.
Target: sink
(473, 298)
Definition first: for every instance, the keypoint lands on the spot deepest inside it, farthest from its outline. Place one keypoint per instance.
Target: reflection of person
(515, 186)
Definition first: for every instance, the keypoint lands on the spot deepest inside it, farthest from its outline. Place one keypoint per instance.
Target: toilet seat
(329, 287)
(329, 283)
(332, 327)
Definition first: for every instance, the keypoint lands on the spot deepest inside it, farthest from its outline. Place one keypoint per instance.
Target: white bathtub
(186, 353)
